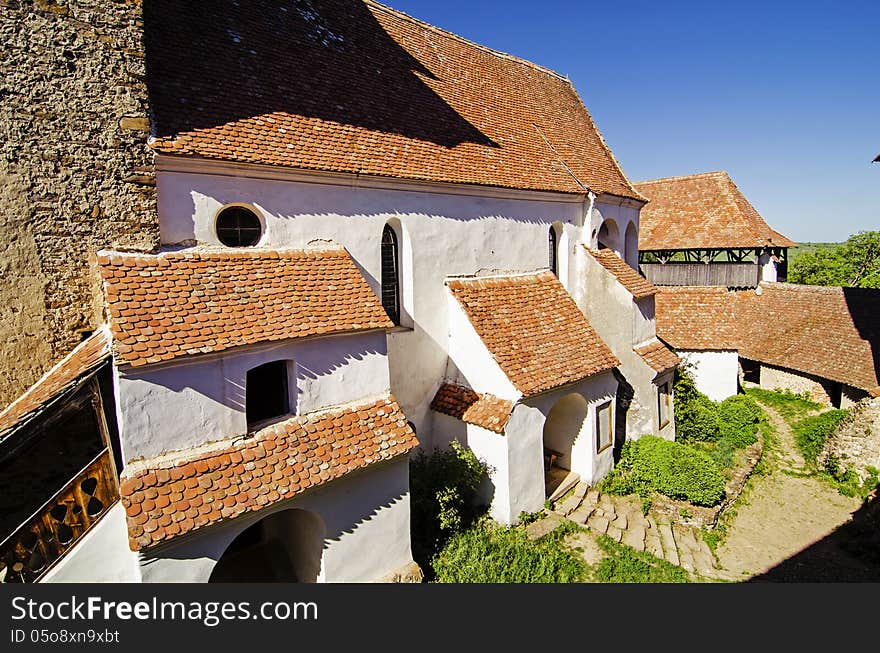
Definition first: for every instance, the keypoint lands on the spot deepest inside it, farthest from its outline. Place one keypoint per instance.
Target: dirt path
(785, 529)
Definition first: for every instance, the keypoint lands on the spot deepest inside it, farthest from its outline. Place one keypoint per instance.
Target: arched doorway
(632, 245)
(285, 547)
(564, 452)
(609, 237)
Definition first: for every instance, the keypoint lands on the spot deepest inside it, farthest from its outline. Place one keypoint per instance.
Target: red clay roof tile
(484, 409)
(696, 317)
(183, 303)
(357, 87)
(277, 463)
(704, 211)
(533, 329)
(635, 283)
(658, 357)
(85, 358)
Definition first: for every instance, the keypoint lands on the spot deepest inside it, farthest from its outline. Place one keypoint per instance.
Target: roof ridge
(458, 37)
(735, 195)
(225, 252)
(695, 175)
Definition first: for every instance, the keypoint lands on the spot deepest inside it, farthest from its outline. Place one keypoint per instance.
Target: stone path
(622, 520)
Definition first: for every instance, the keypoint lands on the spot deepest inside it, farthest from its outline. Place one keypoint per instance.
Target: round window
(238, 227)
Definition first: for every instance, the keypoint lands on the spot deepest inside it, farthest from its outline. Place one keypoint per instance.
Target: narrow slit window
(551, 242)
(604, 427)
(664, 400)
(390, 274)
(266, 392)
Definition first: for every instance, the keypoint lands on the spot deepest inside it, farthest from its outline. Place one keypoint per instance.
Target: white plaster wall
(623, 324)
(450, 232)
(180, 406)
(715, 372)
(101, 556)
(621, 212)
(366, 515)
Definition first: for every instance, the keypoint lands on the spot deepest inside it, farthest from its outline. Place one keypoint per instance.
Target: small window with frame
(238, 226)
(664, 403)
(267, 394)
(604, 427)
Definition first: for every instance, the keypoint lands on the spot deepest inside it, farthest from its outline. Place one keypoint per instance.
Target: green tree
(854, 263)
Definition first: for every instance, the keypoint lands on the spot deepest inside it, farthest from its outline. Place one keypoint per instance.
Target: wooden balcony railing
(674, 273)
(51, 531)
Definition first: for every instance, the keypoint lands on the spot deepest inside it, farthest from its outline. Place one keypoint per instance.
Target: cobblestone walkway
(621, 519)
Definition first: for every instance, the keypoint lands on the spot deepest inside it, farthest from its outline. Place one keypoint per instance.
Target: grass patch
(847, 482)
(626, 565)
(487, 553)
(792, 407)
(810, 433)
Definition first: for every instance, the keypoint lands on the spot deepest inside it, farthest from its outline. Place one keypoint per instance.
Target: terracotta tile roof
(85, 358)
(634, 282)
(190, 302)
(658, 356)
(484, 410)
(833, 333)
(701, 211)
(830, 332)
(357, 87)
(533, 329)
(696, 317)
(167, 499)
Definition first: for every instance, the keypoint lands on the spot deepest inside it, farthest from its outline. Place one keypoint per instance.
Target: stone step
(670, 550)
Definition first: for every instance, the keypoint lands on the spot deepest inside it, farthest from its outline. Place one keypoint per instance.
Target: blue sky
(785, 96)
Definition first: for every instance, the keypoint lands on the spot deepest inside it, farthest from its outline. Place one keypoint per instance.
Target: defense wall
(75, 171)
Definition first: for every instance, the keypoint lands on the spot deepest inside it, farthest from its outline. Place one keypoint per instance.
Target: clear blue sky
(785, 96)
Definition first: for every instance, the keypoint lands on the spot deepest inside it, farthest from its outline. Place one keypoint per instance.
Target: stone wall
(776, 378)
(856, 442)
(75, 171)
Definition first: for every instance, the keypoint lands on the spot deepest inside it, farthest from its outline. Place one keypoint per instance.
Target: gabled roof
(84, 359)
(635, 283)
(658, 357)
(829, 332)
(190, 302)
(696, 317)
(533, 329)
(168, 498)
(357, 87)
(481, 409)
(700, 212)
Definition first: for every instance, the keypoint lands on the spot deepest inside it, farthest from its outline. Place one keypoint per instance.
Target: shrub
(490, 554)
(443, 490)
(677, 470)
(810, 433)
(738, 418)
(696, 416)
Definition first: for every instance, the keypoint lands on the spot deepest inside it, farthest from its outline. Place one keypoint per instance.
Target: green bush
(443, 488)
(490, 554)
(677, 470)
(810, 433)
(738, 418)
(696, 416)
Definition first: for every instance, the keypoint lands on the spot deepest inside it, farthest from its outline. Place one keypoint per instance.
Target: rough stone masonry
(76, 174)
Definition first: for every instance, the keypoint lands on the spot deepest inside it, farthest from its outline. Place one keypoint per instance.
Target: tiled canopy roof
(833, 333)
(85, 358)
(701, 212)
(484, 409)
(658, 357)
(696, 317)
(190, 302)
(635, 283)
(163, 501)
(357, 87)
(533, 329)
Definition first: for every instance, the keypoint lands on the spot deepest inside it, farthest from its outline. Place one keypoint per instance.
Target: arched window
(238, 226)
(390, 274)
(551, 243)
(266, 392)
